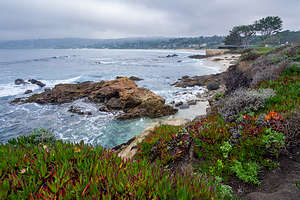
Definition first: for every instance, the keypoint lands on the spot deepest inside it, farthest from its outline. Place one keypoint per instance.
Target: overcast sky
(32, 19)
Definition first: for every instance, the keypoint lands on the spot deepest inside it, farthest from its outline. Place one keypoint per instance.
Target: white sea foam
(10, 89)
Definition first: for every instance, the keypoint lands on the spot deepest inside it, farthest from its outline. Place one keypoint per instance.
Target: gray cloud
(24, 19)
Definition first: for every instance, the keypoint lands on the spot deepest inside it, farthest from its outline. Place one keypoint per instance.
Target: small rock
(179, 61)
(104, 109)
(178, 104)
(47, 90)
(171, 56)
(20, 82)
(134, 78)
(28, 92)
(36, 82)
(213, 86)
(77, 110)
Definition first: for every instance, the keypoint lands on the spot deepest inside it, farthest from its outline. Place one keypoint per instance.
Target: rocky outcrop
(254, 68)
(187, 81)
(121, 94)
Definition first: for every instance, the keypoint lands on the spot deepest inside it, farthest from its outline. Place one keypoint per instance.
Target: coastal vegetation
(223, 155)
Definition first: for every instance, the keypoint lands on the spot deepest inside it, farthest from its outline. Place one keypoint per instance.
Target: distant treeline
(125, 43)
(141, 43)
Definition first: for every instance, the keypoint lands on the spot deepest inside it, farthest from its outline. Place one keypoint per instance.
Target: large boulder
(120, 94)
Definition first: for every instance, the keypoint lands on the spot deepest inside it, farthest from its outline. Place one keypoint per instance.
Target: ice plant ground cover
(33, 168)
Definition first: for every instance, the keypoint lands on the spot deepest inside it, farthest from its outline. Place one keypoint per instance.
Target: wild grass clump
(59, 170)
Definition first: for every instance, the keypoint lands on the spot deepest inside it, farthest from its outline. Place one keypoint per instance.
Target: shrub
(243, 100)
(273, 141)
(247, 171)
(226, 148)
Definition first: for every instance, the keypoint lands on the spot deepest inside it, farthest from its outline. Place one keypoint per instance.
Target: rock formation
(121, 94)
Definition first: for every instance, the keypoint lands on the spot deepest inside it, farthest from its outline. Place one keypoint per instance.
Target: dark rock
(179, 61)
(36, 82)
(187, 81)
(78, 110)
(184, 106)
(20, 82)
(178, 104)
(28, 92)
(171, 56)
(213, 86)
(198, 56)
(104, 109)
(134, 78)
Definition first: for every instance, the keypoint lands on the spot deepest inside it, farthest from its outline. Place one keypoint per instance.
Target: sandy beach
(223, 61)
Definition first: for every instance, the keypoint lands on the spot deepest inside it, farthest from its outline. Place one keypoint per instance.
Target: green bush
(273, 141)
(247, 172)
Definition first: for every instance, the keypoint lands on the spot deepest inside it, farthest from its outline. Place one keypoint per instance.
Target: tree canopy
(266, 27)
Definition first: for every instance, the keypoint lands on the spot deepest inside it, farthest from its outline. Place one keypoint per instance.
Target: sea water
(54, 66)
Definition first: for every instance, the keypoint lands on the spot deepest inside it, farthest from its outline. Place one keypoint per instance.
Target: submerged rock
(78, 110)
(121, 94)
(171, 56)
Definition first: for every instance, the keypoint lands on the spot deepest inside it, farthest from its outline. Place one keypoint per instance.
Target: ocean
(54, 66)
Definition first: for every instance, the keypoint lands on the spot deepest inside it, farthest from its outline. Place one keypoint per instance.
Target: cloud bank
(32, 19)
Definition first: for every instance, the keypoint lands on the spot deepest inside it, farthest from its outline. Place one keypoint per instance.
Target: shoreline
(127, 150)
